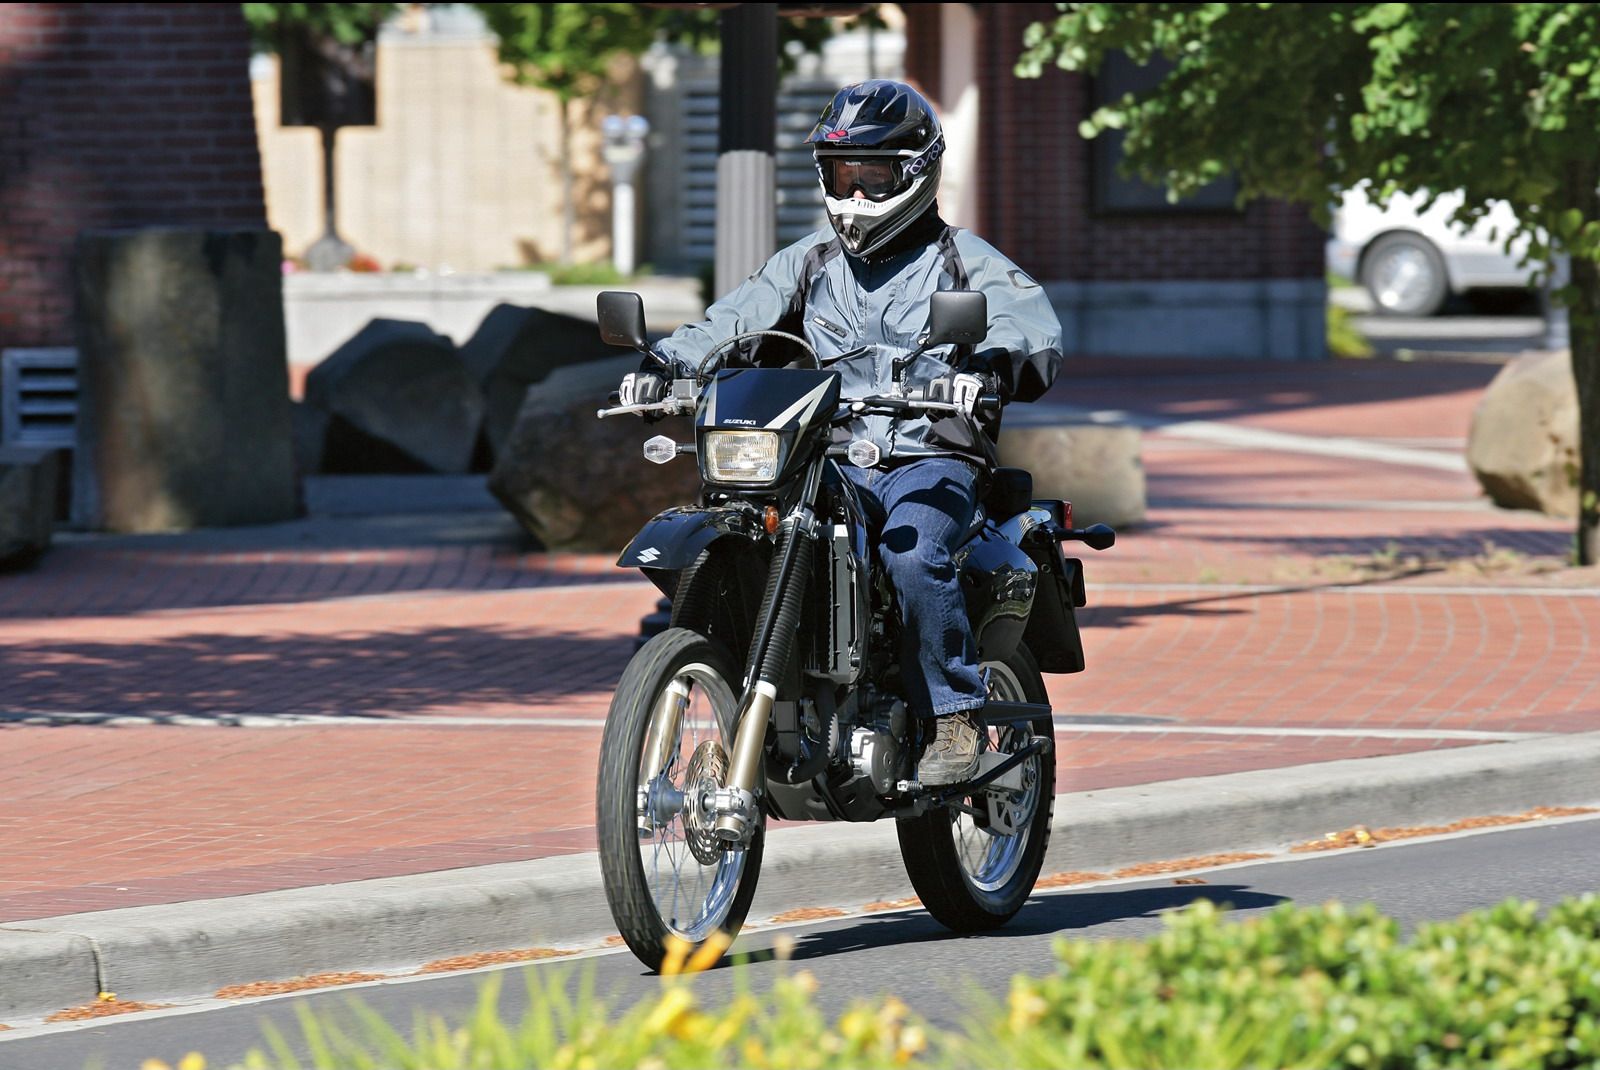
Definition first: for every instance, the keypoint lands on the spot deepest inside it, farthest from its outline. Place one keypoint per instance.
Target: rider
(860, 292)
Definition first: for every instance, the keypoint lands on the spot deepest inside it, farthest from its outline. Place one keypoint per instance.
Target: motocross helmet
(879, 139)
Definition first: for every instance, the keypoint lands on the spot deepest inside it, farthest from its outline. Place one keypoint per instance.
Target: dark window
(1112, 193)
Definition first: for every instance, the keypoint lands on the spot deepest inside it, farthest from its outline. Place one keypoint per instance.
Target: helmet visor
(878, 178)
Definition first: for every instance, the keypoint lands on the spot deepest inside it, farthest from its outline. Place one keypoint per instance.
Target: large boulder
(579, 483)
(398, 398)
(1523, 444)
(515, 348)
(1097, 467)
(27, 503)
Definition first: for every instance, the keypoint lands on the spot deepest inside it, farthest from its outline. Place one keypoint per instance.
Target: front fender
(674, 539)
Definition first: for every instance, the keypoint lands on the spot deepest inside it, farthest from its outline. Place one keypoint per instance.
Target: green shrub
(1344, 339)
(1297, 987)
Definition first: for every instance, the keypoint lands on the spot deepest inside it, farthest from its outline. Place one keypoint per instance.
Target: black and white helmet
(878, 147)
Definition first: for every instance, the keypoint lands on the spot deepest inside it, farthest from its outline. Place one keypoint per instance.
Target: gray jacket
(859, 315)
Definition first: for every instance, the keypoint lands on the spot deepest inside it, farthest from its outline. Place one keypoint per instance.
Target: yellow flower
(709, 952)
(912, 1041)
(107, 997)
(806, 981)
(754, 1053)
(193, 1061)
(1027, 1008)
(675, 1003)
(677, 950)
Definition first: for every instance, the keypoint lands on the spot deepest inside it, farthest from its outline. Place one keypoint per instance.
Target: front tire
(972, 878)
(656, 883)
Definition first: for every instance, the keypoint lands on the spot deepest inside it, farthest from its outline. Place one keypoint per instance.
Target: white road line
(1387, 588)
(1111, 725)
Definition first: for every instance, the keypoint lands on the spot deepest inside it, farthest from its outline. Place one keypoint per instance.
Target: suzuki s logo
(649, 554)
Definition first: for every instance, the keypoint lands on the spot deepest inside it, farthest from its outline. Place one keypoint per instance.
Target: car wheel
(1405, 275)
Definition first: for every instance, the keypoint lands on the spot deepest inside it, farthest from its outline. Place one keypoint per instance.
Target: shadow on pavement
(1042, 916)
(375, 674)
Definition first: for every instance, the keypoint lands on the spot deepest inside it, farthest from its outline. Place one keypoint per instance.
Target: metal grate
(39, 397)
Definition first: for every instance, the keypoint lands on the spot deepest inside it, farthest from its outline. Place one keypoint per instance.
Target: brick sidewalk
(426, 695)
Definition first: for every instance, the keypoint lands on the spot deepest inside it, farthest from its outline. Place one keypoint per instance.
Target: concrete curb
(185, 950)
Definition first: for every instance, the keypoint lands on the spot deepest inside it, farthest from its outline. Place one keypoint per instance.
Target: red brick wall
(1034, 172)
(114, 115)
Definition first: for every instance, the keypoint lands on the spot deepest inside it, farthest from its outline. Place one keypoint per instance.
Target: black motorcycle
(776, 691)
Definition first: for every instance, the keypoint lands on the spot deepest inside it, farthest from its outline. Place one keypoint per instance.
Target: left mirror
(621, 319)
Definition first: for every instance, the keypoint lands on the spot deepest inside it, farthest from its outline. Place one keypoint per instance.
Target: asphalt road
(907, 953)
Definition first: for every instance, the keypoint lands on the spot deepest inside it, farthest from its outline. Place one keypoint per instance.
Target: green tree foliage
(1301, 101)
(568, 50)
(346, 23)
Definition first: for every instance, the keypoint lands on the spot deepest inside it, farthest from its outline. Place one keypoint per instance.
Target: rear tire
(971, 879)
(654, 883)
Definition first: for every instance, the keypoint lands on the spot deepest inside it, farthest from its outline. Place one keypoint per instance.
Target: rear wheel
(971, 874)
(1405, 275)
(665, 748)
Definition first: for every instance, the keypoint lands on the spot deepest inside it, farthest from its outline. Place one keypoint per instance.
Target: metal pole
(747, 127)
(329, 252)
(622, 212)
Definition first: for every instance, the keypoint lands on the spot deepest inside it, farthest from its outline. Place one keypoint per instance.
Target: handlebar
(849, 408)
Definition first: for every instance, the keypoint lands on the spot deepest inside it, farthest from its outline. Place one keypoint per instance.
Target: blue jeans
(920, 510)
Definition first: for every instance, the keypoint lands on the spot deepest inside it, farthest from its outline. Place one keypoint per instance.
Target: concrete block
(398, 398)
(183, 411)
(1099, 468)
(27, 503)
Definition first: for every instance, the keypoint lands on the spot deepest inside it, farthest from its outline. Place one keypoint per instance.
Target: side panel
(999, 582)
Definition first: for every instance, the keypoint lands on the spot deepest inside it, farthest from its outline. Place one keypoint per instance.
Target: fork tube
(769, 658)
(665, 724)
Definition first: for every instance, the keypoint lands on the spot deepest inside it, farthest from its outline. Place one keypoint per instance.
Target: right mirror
(621, 318)
(959, 317)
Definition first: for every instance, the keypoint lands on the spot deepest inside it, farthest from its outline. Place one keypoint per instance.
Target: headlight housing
(740, 456)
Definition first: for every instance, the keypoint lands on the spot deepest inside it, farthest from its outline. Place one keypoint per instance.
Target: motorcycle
(775, 692)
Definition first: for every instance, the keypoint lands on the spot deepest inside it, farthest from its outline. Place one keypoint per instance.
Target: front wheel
(665, 748)
(971, 874)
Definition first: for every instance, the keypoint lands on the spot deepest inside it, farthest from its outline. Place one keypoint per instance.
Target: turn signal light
(769, 518)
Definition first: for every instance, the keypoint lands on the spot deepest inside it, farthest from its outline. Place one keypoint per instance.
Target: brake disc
(707, 771)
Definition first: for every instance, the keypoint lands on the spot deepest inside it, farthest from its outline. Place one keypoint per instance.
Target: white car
(1412, 262)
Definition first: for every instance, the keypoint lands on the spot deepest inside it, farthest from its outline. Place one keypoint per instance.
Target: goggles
(877, 177)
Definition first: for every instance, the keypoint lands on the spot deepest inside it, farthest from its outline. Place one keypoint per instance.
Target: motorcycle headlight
(740, 456)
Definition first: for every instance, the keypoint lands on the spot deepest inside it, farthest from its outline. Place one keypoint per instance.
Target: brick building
(114, 115)
(1128, 273)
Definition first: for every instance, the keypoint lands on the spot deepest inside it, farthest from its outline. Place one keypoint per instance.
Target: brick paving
(1280, 608)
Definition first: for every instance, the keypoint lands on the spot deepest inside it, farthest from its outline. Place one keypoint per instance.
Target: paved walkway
(367, 694)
